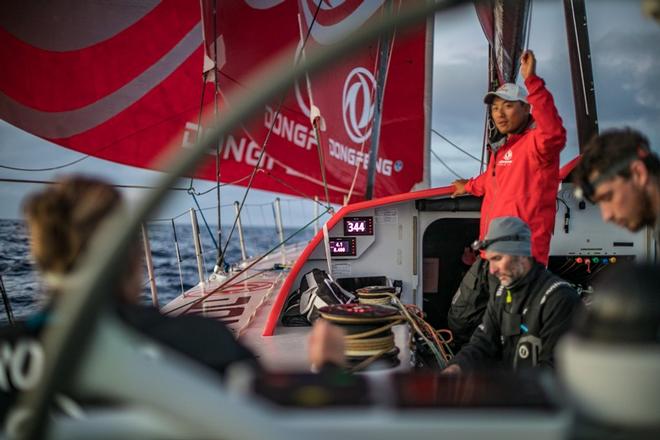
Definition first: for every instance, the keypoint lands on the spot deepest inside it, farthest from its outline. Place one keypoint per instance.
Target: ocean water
(26, 292)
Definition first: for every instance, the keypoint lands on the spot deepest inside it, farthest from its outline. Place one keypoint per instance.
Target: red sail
(122, 83)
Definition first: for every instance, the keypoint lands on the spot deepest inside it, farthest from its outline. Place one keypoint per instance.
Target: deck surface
(243, 304)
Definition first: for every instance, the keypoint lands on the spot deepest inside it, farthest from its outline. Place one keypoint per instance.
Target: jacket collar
(530, 277)
(500, 140)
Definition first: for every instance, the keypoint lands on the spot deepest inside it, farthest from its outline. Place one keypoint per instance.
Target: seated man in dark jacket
(527, 314)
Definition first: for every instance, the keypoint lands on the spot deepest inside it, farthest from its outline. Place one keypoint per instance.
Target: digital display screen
(358, 226)
(342, 247)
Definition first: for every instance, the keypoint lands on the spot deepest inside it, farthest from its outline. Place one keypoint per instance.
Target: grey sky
(626, 63)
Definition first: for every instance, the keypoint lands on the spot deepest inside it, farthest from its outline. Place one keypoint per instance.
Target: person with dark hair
(61, 221)
(529, 311)
(619, 172)
(610, 360)
(521, 180)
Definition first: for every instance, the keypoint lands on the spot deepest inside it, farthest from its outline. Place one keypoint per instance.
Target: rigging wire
(248, 187)
(227, 205)
(208, 228)
(373, 92)
(444, 138)
(249, 222)
(445, 164)
(199, 120)
(263, 147)
(219, 259)
(319, 151)
(484, 142)
(233, 182)
(294, 189)
(58, 167)
(240, 84)
(174, 188)
(289, 170)
(115, 185)
(7, 302)
(231, 280)
(317, 122)
(357, 170)
(382, 69)
(487, 128)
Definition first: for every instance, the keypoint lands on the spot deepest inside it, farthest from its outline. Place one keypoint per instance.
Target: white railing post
(178, 257)
(198, 247)
(241, 238)
(150, 266)
(280, 227)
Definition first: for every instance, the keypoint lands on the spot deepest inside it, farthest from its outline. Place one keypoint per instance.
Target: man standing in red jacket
(521, 180)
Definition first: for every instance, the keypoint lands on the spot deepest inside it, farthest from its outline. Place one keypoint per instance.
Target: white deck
(244, 306)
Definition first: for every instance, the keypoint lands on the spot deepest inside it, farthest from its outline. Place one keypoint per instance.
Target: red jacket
(522, 177)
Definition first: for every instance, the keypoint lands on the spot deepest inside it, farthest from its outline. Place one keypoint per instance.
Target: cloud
(633, 62)
(626, 65)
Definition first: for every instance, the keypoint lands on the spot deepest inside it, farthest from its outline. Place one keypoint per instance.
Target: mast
(383, 61)
(581, 72)
(428, 103)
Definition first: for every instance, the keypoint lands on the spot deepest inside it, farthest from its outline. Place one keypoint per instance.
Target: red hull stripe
(278, 304)
(274, 315)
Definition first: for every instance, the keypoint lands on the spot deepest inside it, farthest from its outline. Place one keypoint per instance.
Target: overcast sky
(625, 51)
(626, 62)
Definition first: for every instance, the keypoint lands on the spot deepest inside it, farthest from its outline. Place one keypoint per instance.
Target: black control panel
(358, 226)
(343, 247)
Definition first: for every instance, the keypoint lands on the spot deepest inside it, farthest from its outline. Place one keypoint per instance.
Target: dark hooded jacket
(540, 305)
(206, 341)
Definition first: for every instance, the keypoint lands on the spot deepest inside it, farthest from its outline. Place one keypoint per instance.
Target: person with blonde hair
(61, 221)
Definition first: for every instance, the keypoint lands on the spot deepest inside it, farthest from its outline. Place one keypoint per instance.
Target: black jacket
(469, 303)
(528, 315)
(206, 341)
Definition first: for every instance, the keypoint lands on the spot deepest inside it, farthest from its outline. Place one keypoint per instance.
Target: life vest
(527, 323)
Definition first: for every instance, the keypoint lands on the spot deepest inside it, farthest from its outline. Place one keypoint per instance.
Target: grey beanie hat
(509, 235)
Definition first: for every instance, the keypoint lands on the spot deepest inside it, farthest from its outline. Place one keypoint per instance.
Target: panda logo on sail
(358, 104)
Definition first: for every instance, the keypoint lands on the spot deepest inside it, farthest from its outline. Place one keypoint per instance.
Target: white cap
(508, 92)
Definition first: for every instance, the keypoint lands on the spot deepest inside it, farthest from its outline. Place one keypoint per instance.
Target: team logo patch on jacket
(507, 159)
